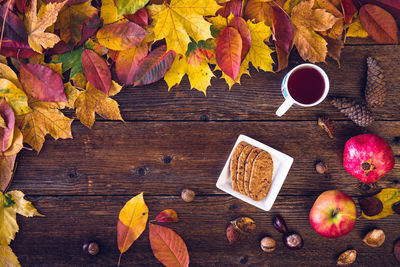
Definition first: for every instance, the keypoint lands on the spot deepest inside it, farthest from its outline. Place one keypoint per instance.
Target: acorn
(91, 248)
(268, 244)
(188, 195)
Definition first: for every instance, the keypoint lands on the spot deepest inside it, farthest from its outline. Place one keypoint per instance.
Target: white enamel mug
(289, 101)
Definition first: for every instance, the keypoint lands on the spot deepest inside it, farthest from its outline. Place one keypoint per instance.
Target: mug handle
(284, 107)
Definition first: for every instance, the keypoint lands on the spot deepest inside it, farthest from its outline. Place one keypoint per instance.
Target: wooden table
(178, 139)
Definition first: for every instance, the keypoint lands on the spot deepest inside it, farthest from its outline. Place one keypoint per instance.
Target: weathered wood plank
(164, 157)
(56, 240)
(259, 96)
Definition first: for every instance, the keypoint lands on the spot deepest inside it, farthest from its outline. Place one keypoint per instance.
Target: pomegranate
(367, 157)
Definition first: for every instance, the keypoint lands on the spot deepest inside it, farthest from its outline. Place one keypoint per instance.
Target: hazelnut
(347, 257)
(188, 195)
(371, 206)
(268, 244)
(91, 248)
(375, 238)
(293, 241)
(321, 167)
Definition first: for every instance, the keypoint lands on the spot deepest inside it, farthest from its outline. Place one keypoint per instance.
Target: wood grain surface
(179, 139)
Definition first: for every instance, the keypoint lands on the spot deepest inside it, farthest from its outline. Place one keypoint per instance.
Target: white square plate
(282, 164)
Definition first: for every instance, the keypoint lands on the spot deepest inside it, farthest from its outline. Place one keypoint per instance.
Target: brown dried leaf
(244, 224)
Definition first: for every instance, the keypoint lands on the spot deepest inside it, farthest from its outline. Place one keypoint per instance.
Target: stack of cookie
(251, 171)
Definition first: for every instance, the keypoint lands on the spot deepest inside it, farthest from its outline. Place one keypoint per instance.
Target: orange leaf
(96, 71)
(258, 10)
(379, 24)
(6, 170)
(168, 247)
(228, 52)
(127, 62)
(349, 9)
(241, 26)
(154, 66)
(168, 215)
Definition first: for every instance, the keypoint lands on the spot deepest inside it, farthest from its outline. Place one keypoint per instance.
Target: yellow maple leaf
(244, 69)
(7, 257)
(8, 220)
(305, 22)
(21, 205)
(37, 23)
(180, 20)
(199, 76)
(45, 118)
(93, 101)
(355, 29)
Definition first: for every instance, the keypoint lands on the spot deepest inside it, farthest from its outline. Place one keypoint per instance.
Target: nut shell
(347, 257)
(268, 244)
(375, 238)
(293, 241)
(188, 195)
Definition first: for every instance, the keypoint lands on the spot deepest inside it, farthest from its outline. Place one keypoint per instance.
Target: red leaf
(233, 6)
(69, 3)
(7, 134)
(154, 66)
(349, 9)
(21, 5)
(168, 215)
(127, 62)
(228, 52)
(379, 24)
(140, 17)
(89, 28)
(15, 49)
(283, 35)
(42, 83)
(96, 71)
(14, 28)
(393, 6)
(168, 247)
(241, 26)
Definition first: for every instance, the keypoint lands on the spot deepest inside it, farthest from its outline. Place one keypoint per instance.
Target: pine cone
(357, 112)
(375, 90)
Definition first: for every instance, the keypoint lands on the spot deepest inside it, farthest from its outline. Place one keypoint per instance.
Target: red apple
(333, 214)
(368, 157)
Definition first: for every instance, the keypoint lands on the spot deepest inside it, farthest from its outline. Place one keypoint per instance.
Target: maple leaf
(38, 23)
(45, 118)
(71, 20)
(8, 220)
(305, 21)
(355, 29)
(21, 205)
(93, 101)
(199, 76)
(7, 257)
(180, 20)
(72, 94)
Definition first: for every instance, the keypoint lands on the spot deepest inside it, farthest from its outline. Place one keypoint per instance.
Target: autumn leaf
(98, 48)
(140, 17)
(108, 11)
(21, 205)
(393, 6)
(15, 96)
(7, 257)
(355, 29)
(130, 6)
(127, 62)
(181, 20)
(42, 83)
(240, 25)
(96, 70)
(168, 247)
(154, 66)
(379, 24)
(349, 9)
(72, 94)
(259, 11)
(244, 224)
(16, 49)
(199, 75)
(283, 36)
(71, 20)
(132, 221)
(168, 215)
(37, 23)
(8, 220)
(335, 47)
(6, 133)
(231, 7)
(306, 21)
(45, 118)
(228, 52)
(14, 28)
(203, 50)
(6, 170)
(93, 101)
(121, 36)
(71, 61)
(388, 196)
